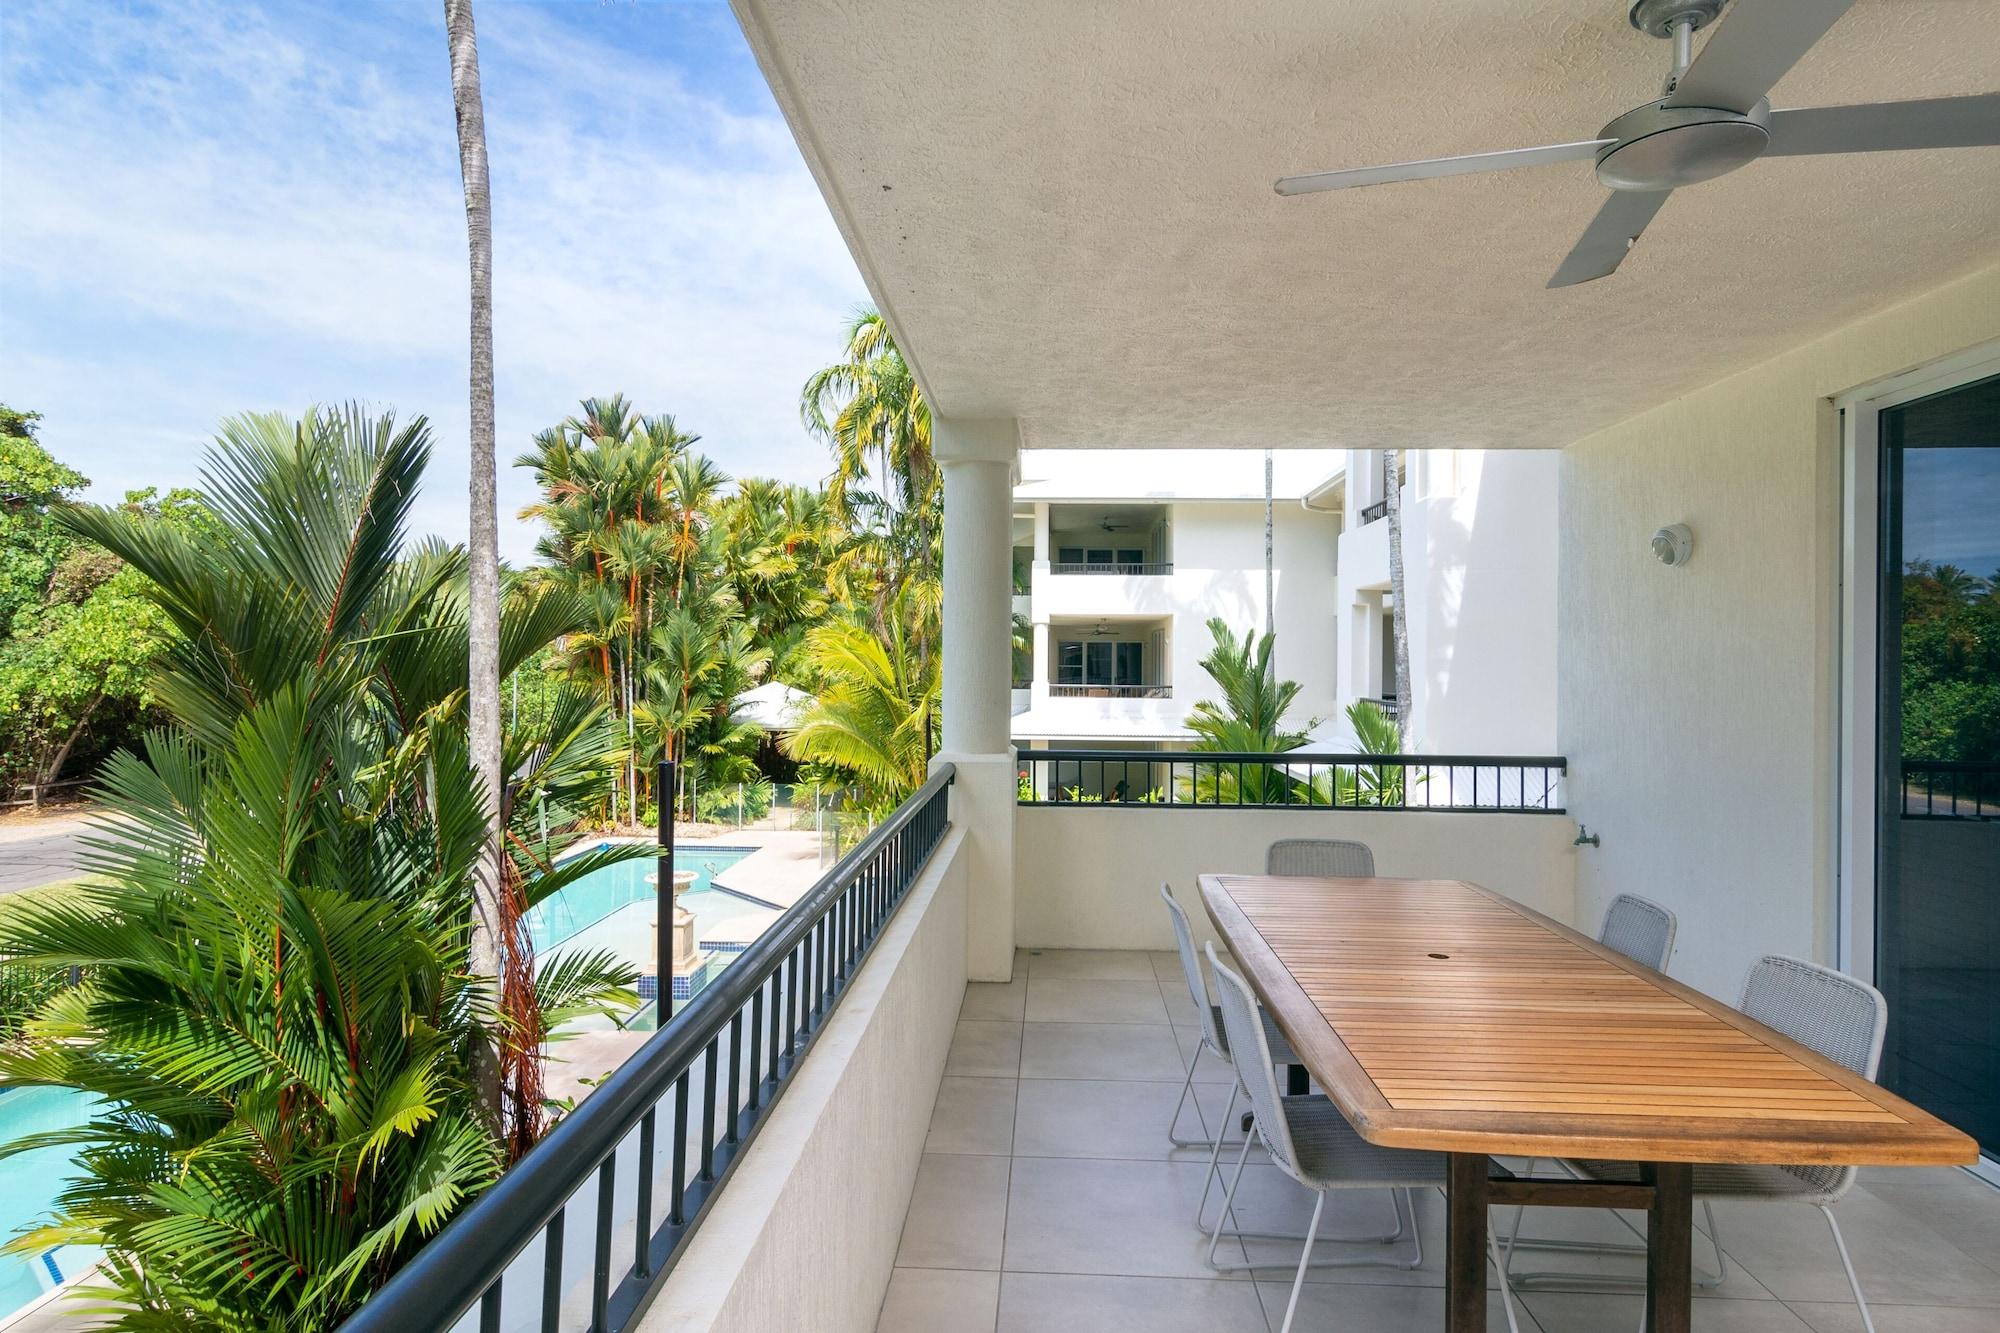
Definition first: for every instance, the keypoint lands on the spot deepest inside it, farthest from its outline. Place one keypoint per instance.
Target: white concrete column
(1042, 533)
(977, 458)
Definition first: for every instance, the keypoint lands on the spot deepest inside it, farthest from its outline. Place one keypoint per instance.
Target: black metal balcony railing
(777, 997)
(1369, 513)
(1296, 780)
(1112, 567)
(1951, 789)
(1074, 691)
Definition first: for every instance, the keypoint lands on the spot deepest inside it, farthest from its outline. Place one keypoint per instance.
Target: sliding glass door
(1937, 789)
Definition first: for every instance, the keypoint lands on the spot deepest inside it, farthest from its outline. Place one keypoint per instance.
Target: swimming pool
(29, 1183)
(592, 899)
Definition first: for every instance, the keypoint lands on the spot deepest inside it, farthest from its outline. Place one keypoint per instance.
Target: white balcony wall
(1089, 877)
(1697, 704)
(806, 1233)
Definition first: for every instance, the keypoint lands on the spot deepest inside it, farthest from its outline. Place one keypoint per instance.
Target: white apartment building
(1121, 558)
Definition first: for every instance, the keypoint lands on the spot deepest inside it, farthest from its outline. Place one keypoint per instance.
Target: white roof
(774, 706)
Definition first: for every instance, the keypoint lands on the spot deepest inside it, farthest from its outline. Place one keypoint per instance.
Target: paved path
(41, 852)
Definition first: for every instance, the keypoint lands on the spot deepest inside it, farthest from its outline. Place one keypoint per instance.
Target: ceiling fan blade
(1441, 166)
(1751, 49)
(1933, 122)
(1602, 247)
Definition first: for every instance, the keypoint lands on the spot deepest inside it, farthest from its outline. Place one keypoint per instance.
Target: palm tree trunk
(483, 556)
(1392, 494)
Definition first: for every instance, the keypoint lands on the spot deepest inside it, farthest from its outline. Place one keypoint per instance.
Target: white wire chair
(1826, 1011)
(1215, 1042)
(1309, 1140)
(1640, 929)
(1338, 857)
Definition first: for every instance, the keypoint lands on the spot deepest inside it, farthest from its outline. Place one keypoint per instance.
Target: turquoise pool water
(28, 1187)
(597, 896)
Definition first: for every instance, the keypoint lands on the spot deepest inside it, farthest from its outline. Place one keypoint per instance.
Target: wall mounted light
(1673, 544)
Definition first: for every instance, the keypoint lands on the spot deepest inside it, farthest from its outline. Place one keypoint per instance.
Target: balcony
(1135, 568)
(1111, 691)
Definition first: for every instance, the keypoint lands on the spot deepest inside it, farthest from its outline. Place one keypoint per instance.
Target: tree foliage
(277, 1008)
(1950, 663)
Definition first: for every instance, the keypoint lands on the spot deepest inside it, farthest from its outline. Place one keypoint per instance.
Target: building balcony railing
(1951, 789)
(1111, 691)
(1369, 513)
(1197, 779)
(1112, 567)
(705, 1084)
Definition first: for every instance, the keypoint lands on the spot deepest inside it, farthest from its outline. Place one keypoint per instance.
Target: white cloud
(217, 209)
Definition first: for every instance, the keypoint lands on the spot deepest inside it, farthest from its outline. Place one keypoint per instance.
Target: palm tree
(1249, 718)
(280, 1008)
(875, 714)
(869, 407)
(886, 487)
(483, 607)
(1392, 495)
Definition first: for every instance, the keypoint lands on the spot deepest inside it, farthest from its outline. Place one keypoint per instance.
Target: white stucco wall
(1089, 877)
(805, 1235)
(1697, 705)
(1218, 559)
(1479, 555)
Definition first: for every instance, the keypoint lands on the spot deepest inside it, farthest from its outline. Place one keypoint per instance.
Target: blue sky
(212, 207)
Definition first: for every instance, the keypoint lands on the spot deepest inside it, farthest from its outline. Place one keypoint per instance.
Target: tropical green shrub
(1375, 732)
(277, 1008)
(1249, 719)
(735, 803)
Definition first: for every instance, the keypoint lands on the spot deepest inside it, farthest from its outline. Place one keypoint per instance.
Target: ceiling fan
(1109, 526)
(1712, 119)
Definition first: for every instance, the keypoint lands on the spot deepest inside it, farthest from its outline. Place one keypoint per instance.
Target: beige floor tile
(1603, 1312)
(1167, 965)
(1059, 1117)
(1101, 1051)
(984, 1050)
(973, 1115)
(1377, 1309)
(1091, 964)
(939, 1300)
(957, 1213)
(1596, 1224)
(1901, 1258)
(1827, 1317)
(1134, 1219)
(1045, 1302)
(1001, 1000)
(1067, 1000)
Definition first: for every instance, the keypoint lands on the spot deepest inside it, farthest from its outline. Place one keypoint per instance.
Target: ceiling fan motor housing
(1663, 148)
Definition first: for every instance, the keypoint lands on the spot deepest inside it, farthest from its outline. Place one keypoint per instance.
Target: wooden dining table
(1440, 1015)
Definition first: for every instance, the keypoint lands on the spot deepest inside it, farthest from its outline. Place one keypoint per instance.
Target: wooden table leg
(1465, 1243)
(1669, 1247)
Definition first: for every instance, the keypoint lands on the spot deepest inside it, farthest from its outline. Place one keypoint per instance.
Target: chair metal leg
(1228, 1201)
(1853, 1281)
(1305, 1256)
(1173, 1125)
(1506, 1292)
(1208, 1187)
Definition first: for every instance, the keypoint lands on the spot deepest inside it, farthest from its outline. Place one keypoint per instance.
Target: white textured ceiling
(1065, 208)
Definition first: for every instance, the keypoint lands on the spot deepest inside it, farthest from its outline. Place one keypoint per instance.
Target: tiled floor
(1049, 1199)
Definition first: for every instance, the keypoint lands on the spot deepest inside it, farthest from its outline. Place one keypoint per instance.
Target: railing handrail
(1281, 757)
(453, 1270)
(1951, 765)
(1138, 567)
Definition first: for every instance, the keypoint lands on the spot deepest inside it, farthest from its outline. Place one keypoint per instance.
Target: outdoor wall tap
(1585, 838)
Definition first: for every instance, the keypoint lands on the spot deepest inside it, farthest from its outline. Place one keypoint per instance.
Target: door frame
(1860, 550)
